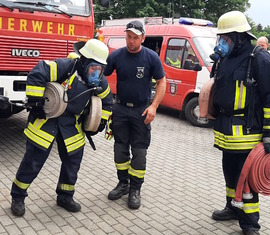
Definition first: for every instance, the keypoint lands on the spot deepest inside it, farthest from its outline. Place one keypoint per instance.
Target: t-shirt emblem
(140, 72)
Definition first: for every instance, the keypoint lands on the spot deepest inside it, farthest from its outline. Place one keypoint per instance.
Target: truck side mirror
(105, 3)
(188, 64)
(197, 66)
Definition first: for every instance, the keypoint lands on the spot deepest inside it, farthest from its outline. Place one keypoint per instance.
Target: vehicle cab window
(174, 52)
(190, 58)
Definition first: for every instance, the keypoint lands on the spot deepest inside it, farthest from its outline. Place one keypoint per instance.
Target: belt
(232, 112)
(130, 104)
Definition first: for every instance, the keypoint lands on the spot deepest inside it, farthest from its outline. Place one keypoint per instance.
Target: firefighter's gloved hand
(38, 112)
(108, 132)
(266, 144)
(102, 125)
(90, 133)
(35, 101)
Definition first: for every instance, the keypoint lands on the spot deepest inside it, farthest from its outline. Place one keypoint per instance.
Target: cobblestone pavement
(183, 186)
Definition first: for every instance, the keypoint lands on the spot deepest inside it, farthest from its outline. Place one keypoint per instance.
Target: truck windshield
(205, 46)
(68, 7)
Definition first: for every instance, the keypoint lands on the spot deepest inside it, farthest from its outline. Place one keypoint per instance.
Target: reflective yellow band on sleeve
(53, 70)
(105, 114)
(35, 91)
(104, 93)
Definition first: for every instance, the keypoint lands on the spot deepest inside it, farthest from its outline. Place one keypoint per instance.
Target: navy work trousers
(130, 132)
(232, 164)
(33, 161)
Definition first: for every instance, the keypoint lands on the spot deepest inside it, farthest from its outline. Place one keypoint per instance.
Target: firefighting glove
(108, 132)
(35, 106)
(38, 112)
(102, 125)
(266, 144)
(100, 129)
(35, 101)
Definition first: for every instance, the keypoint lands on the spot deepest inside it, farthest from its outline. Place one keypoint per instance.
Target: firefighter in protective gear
(243, 110)
(79, 76)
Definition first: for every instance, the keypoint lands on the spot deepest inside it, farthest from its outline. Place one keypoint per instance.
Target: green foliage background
(207, 9)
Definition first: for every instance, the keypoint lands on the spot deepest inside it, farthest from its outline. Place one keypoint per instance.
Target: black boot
(17, 208)
(251, 232)
(225, 214)
(69, 204)
(120, 190)
(134, 199)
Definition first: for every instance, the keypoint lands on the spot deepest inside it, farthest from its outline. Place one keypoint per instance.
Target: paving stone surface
(183, 186)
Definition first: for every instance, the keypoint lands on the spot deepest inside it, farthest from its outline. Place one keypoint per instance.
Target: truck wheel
(192, 113)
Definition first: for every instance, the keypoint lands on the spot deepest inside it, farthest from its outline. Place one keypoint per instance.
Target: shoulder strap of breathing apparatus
(250, 81)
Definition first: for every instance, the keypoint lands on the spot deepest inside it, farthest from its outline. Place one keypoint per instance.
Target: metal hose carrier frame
(54, 104)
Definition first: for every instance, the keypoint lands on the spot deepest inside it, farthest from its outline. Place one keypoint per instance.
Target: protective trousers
(130, 132)
(32, 163)
(232, 164)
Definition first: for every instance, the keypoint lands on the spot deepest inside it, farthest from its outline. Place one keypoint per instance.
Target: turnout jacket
(244, 110)
(42, 132)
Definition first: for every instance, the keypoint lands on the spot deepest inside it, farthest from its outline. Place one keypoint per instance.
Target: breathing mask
(93, 74)
(224, 47)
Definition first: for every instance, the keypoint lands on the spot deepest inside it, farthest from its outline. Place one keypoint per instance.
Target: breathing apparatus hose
(256, 174)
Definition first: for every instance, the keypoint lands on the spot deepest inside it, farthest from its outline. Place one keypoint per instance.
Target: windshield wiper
(4, 5)
(47, 6)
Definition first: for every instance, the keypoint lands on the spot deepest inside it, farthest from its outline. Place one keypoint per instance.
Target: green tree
(203, 9)
(208, 9)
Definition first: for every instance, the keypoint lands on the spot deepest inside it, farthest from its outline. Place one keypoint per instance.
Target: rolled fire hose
(206, 96)
(92, 120)
(54, 105)
(256, 173)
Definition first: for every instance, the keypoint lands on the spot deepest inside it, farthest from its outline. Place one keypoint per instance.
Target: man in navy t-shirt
(135, 67)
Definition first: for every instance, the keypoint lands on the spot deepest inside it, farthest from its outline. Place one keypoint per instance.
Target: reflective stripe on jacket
(233, 99)
(42, 132)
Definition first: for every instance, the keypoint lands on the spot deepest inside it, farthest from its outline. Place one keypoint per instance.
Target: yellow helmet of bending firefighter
(233, 21)
(92, 49)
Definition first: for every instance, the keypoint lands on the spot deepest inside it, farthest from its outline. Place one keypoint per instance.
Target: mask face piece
(224, 46)
(92, 74)
(93, 78)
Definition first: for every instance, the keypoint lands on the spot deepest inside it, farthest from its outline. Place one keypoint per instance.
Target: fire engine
(32, 30)
(186, 40)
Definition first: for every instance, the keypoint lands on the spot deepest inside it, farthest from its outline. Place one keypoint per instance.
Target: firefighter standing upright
(243, 111)
(135, 66)
(79, 76)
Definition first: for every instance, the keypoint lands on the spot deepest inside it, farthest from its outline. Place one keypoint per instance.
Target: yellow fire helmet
(92, 49)
(233, 21)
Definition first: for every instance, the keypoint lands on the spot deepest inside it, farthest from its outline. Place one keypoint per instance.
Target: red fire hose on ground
(256, 173)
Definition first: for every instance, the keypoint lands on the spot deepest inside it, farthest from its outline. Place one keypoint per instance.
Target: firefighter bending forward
(81, 74)
(243, 106)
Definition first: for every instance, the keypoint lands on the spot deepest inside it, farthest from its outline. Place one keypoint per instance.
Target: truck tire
(192, 113)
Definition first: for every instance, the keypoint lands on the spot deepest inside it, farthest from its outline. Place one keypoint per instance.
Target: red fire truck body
(31, 31)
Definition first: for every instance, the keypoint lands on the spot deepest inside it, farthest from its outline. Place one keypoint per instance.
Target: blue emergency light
(192, 21)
